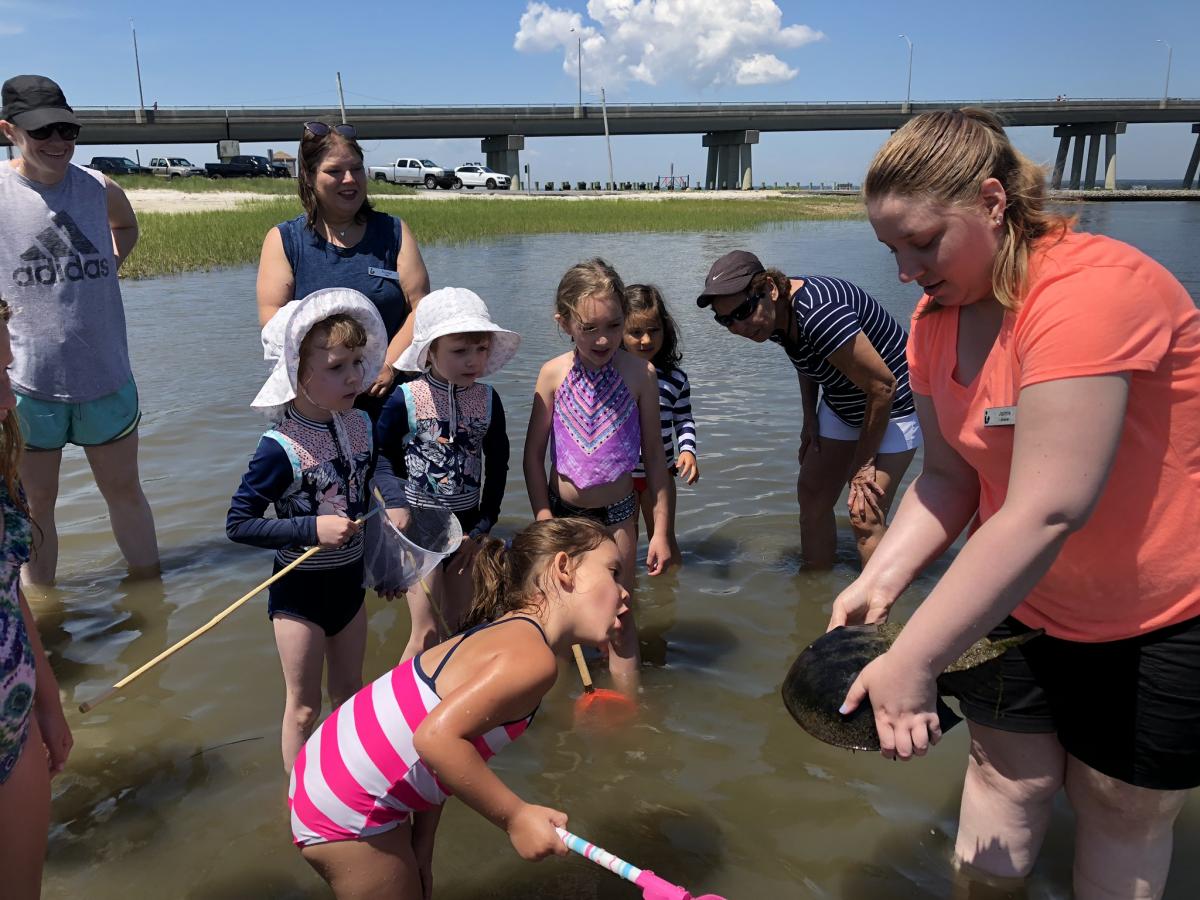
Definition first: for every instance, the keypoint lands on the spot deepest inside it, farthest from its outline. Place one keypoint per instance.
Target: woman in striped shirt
(860, 425)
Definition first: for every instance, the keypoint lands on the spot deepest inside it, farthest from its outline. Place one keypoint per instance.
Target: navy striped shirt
(829, 313)
(675, 416)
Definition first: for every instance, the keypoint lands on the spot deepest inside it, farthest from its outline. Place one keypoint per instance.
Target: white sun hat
(452, 310)
(281, 338)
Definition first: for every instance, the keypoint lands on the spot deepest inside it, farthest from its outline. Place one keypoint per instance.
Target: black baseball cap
(34, 101)
(731, 274)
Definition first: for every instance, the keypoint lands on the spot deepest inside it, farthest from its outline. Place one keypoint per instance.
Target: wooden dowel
(581, 664)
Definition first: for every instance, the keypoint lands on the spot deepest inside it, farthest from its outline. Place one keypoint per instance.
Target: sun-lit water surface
(175, 789)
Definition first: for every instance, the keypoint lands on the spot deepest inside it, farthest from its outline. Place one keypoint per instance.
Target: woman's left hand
(865, 494)
(904, 697)
(383, 381)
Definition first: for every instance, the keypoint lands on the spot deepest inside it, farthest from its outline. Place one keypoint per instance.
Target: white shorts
(903, 432)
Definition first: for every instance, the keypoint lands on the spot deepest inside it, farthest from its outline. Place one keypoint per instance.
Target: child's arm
(47, 705)
(495, 468)
(266, 480)
(685, 429)
(390, 432)
(505, 689)
(537, 442)
(654, 460)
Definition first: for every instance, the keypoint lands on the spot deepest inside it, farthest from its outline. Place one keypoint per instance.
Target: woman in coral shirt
(1057, 381)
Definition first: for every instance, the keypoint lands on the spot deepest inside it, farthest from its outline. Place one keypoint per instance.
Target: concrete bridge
(729, 129)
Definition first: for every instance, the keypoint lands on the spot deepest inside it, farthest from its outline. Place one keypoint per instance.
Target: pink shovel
(653, 887)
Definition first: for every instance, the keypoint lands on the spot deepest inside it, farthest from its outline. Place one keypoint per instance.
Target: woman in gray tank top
(64, 232)
(340, 241)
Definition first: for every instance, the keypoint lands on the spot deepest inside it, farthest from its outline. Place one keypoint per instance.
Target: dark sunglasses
(66, 131)
(320, 129)
(742, 311)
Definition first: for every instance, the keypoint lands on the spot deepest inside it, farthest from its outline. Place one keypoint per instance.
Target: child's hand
(56, 734)
(658, 554)
(333, 531)
(401, 517)
(531, 830)
(687, 468)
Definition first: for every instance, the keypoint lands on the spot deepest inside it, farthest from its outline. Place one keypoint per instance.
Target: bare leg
(25, 820)
(868, 532)
(381, 867)
(1123, 835)
(39, 471)
(301, 647)
(115, 468)
(344, 652)
(821, 481)
(624, 662)
(1010, 784)
(424, 632)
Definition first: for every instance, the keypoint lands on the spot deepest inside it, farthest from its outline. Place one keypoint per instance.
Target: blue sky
(218, 53)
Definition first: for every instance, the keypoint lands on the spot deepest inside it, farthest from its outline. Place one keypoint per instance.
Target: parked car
(474, 175)
(241, 167)
(117, 165)
(407, 170)
(174, 167)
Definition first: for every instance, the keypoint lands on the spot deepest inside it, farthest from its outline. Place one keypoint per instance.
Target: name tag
(383, 273)
(1000, 415)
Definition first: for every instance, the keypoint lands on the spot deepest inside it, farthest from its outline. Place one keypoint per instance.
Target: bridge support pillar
(1089, 132)
(729, 159)
(504, 155)
(1194, 163)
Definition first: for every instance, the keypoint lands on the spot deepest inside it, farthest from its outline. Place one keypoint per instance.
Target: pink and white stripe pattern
(359, 774)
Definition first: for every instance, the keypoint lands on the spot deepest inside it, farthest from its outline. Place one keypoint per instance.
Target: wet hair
(338, 330)
(507, 577)
(11, 442)
(583, 280)
(946, 156)
(312, 151)
(647, 300)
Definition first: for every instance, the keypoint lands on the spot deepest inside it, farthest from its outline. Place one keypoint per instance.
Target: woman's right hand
(333, 531)
(531, 830)
(859, 604)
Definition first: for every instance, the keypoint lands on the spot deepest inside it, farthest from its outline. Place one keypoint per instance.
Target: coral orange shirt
(1095, 306)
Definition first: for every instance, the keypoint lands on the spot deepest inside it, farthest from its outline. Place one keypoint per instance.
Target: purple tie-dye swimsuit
(597, 435)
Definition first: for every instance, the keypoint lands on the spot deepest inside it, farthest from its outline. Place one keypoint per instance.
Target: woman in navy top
(340, 241)
(860, 425)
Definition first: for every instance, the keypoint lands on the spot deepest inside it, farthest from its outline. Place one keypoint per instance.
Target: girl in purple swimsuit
(596, 410)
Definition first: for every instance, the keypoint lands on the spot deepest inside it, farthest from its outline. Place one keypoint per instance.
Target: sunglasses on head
(739, 312)
(66, 131)
(320, 129)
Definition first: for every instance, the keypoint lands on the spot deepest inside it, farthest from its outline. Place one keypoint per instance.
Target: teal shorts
(51, 424)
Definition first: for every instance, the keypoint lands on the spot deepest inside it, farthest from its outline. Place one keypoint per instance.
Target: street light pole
(579, 63)
(908, 90)
(1167, 83)
(138, 65)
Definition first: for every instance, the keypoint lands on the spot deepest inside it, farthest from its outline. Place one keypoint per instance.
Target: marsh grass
(196, 184)
(182, 242)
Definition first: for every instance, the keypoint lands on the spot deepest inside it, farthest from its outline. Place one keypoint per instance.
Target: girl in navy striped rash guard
(650, 333)
(860, 424)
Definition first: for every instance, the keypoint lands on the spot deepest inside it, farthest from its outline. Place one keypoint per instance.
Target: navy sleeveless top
(318, 264)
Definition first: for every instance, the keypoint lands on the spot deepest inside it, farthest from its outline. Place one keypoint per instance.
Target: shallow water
(175, 789)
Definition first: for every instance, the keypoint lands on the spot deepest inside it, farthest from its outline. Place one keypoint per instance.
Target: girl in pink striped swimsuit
(596, 410)
(368, 786)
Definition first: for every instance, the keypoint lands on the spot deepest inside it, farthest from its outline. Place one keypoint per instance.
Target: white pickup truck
(409, 171)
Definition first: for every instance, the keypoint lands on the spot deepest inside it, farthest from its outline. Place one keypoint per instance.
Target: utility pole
(138, 65)
(612, 181)
(908, 90)
(341, 97)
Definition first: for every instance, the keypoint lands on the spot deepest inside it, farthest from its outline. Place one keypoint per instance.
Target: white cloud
(8, 30)
(704, 43)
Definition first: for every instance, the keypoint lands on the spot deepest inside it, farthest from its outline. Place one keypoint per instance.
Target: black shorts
(613, 514)
(1130, 709)
(329, 598)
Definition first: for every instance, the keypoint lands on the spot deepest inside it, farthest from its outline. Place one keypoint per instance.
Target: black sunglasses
(742, 311)
(66, 131)
(320, 129)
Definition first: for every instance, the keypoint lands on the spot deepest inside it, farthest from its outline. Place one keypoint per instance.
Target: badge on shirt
(384, 273)
(999, 415)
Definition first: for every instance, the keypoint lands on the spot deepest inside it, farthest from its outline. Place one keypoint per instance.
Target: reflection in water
(174, 787)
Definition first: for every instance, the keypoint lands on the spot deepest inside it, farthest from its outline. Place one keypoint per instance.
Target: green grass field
(183, 242)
